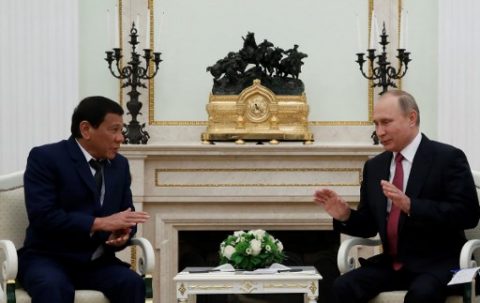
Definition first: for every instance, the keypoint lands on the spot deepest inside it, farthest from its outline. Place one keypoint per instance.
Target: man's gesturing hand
(333, 204)
(118, 221)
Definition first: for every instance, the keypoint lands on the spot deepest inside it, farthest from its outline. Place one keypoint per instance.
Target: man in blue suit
(80, 214)
(419, 196)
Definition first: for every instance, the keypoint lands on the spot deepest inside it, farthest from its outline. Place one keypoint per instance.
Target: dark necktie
(394, 216)
(98, 167)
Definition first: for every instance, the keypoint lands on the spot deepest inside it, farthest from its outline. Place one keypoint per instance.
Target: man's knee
(344, 290)
(130, 288)
(133, 280)
(425, 295)
(51, 289)
(340, 285)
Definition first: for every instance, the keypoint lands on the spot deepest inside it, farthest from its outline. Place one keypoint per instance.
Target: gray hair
(406, 101)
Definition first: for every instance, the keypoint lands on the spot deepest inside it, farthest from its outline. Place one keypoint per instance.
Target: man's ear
(85, 128)
(413, 118)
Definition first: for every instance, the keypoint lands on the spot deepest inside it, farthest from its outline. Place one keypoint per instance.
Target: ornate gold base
(257, 114)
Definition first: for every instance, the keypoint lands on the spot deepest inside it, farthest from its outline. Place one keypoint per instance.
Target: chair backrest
(13, 216)
(474, 233)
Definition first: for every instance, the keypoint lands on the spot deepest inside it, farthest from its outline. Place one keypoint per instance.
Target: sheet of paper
(225, 268)
(273, 269)
(464, 276)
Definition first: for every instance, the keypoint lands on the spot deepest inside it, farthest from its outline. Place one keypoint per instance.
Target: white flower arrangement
(251, 250)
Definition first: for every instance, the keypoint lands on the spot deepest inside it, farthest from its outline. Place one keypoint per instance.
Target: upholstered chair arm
(9, 268)
(467, 260)
(146, 263)
(466, 255)
(3, 299)
(344, 261)
(10, 264)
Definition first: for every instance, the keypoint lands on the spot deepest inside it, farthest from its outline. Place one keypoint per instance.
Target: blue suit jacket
(444, 203)
(62, 201)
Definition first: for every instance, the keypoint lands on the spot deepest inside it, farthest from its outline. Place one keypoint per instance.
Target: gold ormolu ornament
(257, 114)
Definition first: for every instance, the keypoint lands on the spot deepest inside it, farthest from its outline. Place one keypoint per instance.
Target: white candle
(117, 28)
(377, 35)
(402, 29)
(372, 31)
(156, 42)
(109, 30)
(359, 39)
(137, 24)
(147, 32)
(406, 31)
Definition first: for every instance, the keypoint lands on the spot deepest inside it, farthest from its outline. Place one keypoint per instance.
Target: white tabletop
(205, 273)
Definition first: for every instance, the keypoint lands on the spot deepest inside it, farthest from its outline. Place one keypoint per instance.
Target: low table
(215, 283)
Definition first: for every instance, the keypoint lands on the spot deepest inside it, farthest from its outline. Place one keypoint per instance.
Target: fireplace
(302, 248)
(222, 188)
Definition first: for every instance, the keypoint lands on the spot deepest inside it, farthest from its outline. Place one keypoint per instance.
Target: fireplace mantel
(230, 187)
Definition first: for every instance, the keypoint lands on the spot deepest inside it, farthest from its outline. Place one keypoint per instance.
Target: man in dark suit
(80, 214)
(419, 196)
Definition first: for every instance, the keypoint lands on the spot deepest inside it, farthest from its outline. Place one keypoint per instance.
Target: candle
(147, 32)
(372, 31)
(157, 41)
(109, 30)
(377, 34)
(117, 28)
(402, 29)
(137, 24)
(406, 31)
(359, 39)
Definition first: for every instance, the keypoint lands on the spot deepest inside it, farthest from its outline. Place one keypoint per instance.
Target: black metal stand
(134, 132)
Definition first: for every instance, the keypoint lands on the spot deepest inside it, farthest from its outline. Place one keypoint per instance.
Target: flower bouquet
(251, 250)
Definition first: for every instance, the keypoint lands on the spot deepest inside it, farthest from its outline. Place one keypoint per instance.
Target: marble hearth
(229, 187)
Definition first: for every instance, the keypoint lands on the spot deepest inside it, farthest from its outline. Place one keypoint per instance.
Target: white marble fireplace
(230, 187)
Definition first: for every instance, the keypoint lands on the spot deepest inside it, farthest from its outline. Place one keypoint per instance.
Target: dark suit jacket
(62, 201)
(444, 203)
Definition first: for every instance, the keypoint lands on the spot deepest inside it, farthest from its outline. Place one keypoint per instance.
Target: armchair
(13, 222)
(469, 258)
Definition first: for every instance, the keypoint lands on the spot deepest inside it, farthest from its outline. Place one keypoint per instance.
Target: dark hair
(406, 101)
(93, 109)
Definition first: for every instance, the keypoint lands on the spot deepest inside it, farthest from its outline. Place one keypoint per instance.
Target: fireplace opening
(302, 248)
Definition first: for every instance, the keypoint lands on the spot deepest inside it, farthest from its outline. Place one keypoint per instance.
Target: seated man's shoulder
(446, 149)
(49, 148)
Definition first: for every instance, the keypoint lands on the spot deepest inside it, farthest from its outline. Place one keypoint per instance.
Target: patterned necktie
(98, 167)
(394, 216)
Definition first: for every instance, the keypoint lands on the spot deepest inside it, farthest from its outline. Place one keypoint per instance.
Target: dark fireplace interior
(302, 248)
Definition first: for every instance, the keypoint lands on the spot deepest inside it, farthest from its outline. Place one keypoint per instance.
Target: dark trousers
(362, 284)
(47, 280)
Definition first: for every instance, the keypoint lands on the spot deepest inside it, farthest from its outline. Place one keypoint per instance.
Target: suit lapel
(422, 162)
(384, 174)
(81, 165)
(109, 174)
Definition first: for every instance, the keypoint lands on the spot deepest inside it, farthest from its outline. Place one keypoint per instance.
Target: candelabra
(383, 74)
(134, 73)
